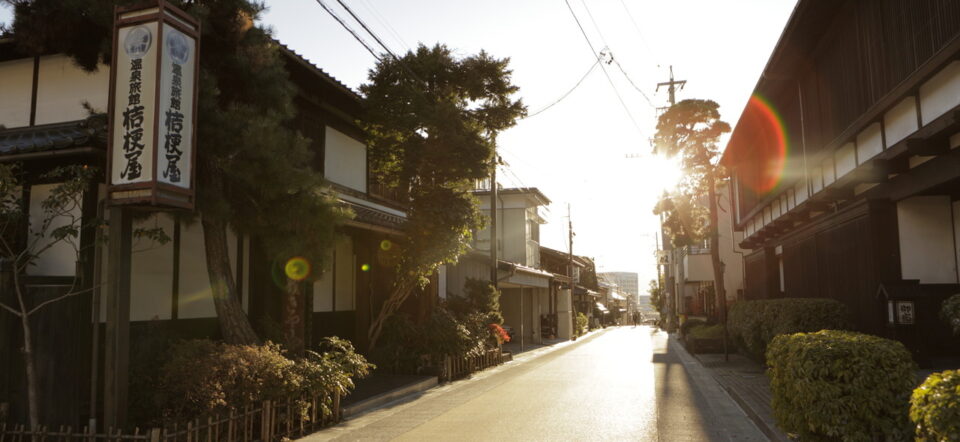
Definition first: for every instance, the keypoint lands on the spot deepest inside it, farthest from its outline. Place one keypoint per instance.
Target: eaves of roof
(90, 132)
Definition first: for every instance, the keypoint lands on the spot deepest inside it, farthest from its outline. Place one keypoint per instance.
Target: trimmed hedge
(690, 324)
(935, 407)
(841, 385)
(753, 324)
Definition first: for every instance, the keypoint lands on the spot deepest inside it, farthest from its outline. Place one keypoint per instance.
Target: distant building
(627, 282)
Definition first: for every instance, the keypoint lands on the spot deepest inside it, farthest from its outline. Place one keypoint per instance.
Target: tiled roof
(330, 78)
(376, 217)
(91, 132)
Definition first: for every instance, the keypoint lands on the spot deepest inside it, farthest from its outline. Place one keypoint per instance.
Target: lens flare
(386, 245)
(297, 268)
(365, 267)
(769, 144)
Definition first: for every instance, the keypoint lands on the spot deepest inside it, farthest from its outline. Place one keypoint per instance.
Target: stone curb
(389, 396)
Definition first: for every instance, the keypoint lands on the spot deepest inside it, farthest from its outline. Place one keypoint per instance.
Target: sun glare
(662, 173)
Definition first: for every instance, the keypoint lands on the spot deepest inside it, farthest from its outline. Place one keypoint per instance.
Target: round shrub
(935, 407)
(580, 328)
(950, 313)
(841, 385)
(753, 324)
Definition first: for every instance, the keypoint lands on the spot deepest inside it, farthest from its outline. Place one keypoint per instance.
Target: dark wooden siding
(755, 269)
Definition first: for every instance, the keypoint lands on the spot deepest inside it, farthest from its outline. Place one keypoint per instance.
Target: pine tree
(431, 126)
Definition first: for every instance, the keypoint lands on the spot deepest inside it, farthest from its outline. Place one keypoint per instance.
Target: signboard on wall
(153, 100)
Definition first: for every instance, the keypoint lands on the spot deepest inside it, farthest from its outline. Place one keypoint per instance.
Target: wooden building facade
(846, 168)
(44, 124)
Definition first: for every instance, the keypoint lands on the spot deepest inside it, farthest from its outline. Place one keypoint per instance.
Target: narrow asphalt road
(624, 383)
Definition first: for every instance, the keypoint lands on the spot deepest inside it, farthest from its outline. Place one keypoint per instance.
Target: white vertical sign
(175, 143)
(134, 104)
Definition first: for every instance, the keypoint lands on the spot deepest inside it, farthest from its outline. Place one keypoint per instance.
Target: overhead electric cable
(386, 24)
(597, 55)
(584, 77)
(643, 39)
(351, 31)
(379, 41)
(645, 97)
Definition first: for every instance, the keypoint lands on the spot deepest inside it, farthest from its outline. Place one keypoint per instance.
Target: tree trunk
(234, 324)
(293, 323)
(718, 284)
(399, 294)
(29, 364)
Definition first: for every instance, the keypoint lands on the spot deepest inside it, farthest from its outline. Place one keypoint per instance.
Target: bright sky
(575, 152)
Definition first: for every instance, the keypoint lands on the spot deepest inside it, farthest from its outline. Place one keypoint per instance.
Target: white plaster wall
(828, 173)
(195, 298)
(323, 292)
(941, 93)
(927, 247)
(817, 179)
(901, 121)
(345, 160)
(800, 192)
(16, 87)
(62, 87)
(845, 159)
(61, 258)
(698, 267)
(346, 275)
(151, 272)
(869, 142)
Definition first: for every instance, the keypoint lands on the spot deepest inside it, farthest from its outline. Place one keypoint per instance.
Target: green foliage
(753, 324)
(431, 123)
(690, 323)
(950, 313)
(203, 376)
(690, 129)
(401, 345)
(704, 331)
(480, 298)
(447, 336)
(580, 327)
(657, 296)
(837, 385)
(935, 407)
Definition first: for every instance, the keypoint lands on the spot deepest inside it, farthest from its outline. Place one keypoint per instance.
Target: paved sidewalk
(747, 383)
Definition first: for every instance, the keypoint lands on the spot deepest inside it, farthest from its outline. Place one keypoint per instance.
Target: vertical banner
(176, 109)
(134, 104)
(153, 99)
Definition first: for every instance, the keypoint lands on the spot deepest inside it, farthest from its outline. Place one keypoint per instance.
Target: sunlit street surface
(622, 383)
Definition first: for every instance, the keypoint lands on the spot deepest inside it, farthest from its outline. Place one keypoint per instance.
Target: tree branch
(11, 310)
(58, 298)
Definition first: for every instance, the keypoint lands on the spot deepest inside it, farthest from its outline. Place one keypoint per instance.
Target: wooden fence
(267, 422)
(456, 368)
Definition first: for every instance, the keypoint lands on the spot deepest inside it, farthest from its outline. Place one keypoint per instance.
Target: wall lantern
(153, 101)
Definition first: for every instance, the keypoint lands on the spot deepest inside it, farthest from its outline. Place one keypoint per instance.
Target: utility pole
(570, 263)
(671, 306)
(671, 86)
(493, 224)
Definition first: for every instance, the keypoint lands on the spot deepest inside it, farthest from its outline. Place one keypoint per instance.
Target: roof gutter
(52, 154)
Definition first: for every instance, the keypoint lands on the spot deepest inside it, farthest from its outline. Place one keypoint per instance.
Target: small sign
(153, 99)
(905, 312)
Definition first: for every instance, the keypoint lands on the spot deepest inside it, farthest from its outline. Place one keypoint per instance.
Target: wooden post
(117, 338)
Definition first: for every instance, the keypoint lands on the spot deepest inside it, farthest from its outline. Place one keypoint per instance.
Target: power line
(597, 55)
(645, 97)
(584, 77)
(351, 31)
(379, 41)
(640, 33)
(385, 23)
